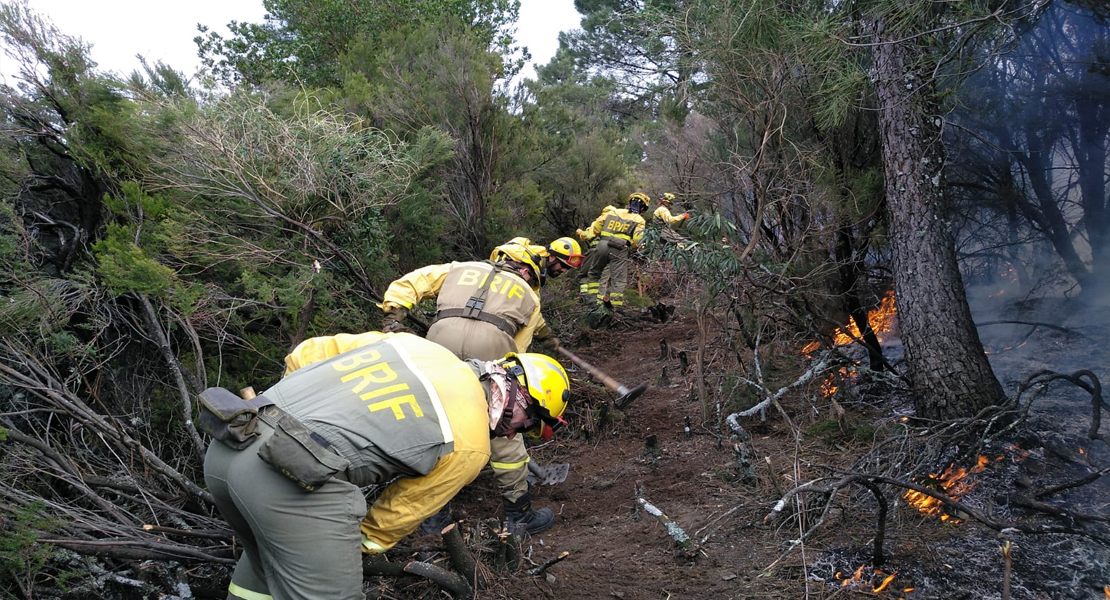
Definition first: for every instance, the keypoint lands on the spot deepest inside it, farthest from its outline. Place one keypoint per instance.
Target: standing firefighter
(352, 411)
(666, 221)
(484, 310)
(589, 287)
(620, 231)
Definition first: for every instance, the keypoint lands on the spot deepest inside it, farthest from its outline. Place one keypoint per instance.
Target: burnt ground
(617, 551)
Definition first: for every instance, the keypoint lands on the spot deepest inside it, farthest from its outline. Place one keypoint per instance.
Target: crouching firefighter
(352, 411)
(485, 310)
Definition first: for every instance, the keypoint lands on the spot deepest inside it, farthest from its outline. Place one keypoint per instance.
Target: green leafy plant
(22, 558)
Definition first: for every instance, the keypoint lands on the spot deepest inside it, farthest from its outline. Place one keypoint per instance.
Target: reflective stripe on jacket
(620, 223)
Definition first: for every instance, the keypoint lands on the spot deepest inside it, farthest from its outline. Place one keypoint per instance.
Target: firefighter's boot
(436, 523)
(520, 514)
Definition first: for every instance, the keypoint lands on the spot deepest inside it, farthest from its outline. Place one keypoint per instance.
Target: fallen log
(453, 583)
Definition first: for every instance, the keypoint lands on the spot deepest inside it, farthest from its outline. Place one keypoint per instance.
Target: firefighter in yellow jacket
(620, 231)
(666, 221)
(484, 310)
(364, 409)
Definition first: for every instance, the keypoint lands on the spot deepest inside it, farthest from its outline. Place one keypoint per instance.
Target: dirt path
(616, 551)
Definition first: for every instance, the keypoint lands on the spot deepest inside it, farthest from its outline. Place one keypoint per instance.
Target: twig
(551, 561)
(1031, 323)
(1006, 548)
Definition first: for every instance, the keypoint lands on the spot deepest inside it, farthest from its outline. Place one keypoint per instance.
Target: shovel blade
(548, 475)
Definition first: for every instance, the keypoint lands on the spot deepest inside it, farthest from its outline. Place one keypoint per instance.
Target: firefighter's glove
(581, 234)
(393, 322)
(551, 343)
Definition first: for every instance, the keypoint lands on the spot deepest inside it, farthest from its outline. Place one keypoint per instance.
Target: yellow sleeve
(542, 331)
(405, 504)
(595, 227)
(320, 348)
(664, 214)
(638, 232)
(535, 324)
(418, 285)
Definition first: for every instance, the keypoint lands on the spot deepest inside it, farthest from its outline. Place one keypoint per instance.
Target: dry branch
(546, 565)
(682, 541)
(377, 566)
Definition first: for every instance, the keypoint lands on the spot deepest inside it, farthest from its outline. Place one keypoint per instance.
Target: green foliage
(583, 151)
(440, 75)
(717, 264)
(125, 267)
(832, 431)
(22, 557)
(304, 41)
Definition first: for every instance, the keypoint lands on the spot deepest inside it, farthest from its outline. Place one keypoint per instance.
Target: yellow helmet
(567, 250)
(547, 384)
(638, 202)
(666, 198)
(521, 250)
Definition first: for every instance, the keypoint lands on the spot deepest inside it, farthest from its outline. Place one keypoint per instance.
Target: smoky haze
(1028, 167)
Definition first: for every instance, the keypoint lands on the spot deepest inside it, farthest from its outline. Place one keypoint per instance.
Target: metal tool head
(548, 475)
(630, 395)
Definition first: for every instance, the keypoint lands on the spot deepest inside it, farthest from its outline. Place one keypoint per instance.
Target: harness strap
(465, 313)
(478, 300)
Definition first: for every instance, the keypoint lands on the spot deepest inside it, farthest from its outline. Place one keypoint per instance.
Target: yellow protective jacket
(427, 423)
(617, 223)
(664, 215)
(509, 297)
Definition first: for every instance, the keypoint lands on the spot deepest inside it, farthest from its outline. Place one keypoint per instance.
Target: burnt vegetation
(873, 356)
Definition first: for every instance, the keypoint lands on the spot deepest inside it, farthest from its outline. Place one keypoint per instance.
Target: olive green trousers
(296, 544)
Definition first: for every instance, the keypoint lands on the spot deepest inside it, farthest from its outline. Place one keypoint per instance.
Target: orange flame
(830, 385)
(953, 481)
(886, 582)
(1107, 590)
(881, 320)
(870, 580)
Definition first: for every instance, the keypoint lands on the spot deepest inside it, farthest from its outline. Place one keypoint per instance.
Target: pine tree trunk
(947, 366)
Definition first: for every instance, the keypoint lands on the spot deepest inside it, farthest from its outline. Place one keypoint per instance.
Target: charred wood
(461, 557)
(377, 566)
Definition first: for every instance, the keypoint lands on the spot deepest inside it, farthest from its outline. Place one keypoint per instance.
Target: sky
(120, 29)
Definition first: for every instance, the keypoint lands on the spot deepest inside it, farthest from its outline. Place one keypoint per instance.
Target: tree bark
(946, 364)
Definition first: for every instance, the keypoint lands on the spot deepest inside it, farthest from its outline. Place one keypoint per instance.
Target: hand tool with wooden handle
(626, 395)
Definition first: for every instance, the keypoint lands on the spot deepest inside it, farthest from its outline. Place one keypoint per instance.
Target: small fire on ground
(881, 320)
(876, 579)
(955, 483)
